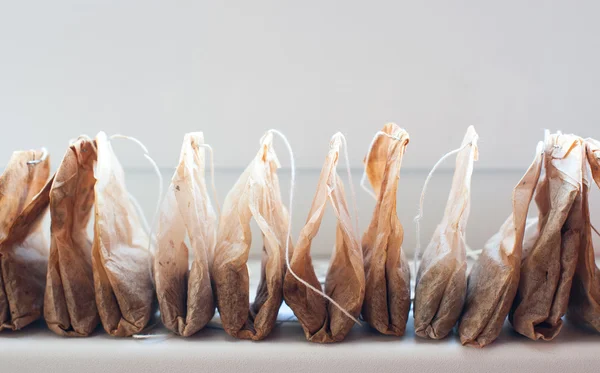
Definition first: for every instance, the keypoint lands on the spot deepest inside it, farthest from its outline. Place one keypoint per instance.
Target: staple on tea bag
(256, 195)
(442, 279)
(322, 320)
(547, 269)
(387, 282)
(69, 302)
(493, 280)
(184, 292)
(584, 302)
(24, 197)
(120, 256)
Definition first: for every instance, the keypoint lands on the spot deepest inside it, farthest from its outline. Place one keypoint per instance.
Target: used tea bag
(120, 256)
(69, 303)
(184, 291)
(441, 284)
(584, 302)
(493, 280)
(256, 195)
(547, 268)
(23, 248)
(387, 273)
(322, 320)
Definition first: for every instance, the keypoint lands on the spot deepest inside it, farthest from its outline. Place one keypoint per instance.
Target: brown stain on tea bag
(441, 284)
(494, 278)
(121, 262)
(387, 273)
(584, 303)
(185, 294)
(547, 269)
(321, 320)
(69, 303)
(256, 195)
(24, 198)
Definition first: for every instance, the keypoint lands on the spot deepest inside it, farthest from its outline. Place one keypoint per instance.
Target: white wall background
(233, 69)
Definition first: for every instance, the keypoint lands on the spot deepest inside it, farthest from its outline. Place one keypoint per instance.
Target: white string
(160, 181)
(42, 158)
(289, 231)
(352, 191)
(422, 199)
(363, 179)
(212, 176)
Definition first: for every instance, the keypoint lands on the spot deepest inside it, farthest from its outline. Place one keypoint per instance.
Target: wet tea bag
(322, 320)
(493, 280)
(69, 303)
(441, 284)
(584, 302)
(387, 282)
(184, 290)
(23, 247)
(120, 256)
(547, 268)
(256, 194)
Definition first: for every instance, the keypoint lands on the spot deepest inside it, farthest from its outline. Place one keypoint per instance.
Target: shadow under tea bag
(494, 278)
(184, 292)
(441, 284)
(322, 320)
(23, 247)
(547, 268)
(387, 273)
(121, 261)
(584, 302)
(256, 195)
(69, 303)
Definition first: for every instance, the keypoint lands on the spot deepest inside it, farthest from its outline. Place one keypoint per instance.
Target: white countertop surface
(37, 349)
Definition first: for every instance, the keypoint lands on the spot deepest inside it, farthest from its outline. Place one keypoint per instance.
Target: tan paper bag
(584, 302)
(121, 261)
(69, 303)
(494, 278)
(547, 269)
(23, 247)
(184, 290)
(321, 320)
(387, 272)
(256, 195)
(441, 285)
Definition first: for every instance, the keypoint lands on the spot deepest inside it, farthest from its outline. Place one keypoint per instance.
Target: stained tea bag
(493, 280)
(322, 320)
(23, 247)
(547, 268)
(69, 303)
(441, 284)
(584, 302)
(256, 195)
(120, 256)
(387, 282)
(184, 291)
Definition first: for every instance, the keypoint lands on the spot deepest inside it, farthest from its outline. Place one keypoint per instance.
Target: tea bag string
(160, 186)
(352, 191)
(42, 158)
(289, 230)
(419, 216)
(212, 176)
(363, 179)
